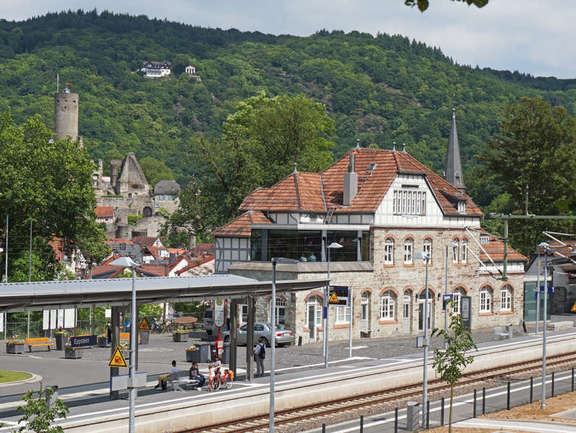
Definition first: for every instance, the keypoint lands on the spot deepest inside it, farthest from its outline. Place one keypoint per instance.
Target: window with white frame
(428, 248)
(314, 304)
(280, 311)
(409, 201)
(387, 306)
(486, 300)
(455, 250)
(461, 206)
(342, 314)
(464, 251)
(506, 298)
(389, 251)
(457, 300)
(408, 250)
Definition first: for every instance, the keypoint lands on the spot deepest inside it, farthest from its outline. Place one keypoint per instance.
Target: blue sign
(83, 341)
(445, 299)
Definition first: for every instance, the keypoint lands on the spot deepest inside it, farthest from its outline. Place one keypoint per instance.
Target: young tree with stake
(450, 363)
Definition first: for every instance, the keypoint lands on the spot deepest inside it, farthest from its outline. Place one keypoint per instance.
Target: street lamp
(546, 247)
(424, 256)
(128, 262)
(448, 246)
(275, 261)
(332, 246)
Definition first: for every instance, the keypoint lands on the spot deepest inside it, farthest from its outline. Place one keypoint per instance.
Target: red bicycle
(220, 380)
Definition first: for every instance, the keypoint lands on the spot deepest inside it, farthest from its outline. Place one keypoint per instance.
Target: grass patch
(12, 376)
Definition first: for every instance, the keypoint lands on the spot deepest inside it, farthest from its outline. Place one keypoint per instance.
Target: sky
(530, 36)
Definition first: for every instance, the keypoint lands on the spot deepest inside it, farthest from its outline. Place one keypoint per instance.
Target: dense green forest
(378, 89)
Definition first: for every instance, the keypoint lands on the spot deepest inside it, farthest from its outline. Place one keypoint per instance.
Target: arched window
(389, 251)
(506, 298)
(457, 305)
(486, 300)
(388, 306)
(455, 249)
(314, 307)
(428, 248)
(408, 250)
(464, 251)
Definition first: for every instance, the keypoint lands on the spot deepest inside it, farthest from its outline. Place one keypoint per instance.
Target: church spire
(453, 163)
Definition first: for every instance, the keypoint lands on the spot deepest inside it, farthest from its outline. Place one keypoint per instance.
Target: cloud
(531, 36)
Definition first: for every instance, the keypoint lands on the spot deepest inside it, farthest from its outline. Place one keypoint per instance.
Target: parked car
(284, 337)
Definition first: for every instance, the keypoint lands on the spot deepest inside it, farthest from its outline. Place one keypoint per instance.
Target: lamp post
(128, 262)
(426, 258)
(545, 246)
(275, 261)
(332, 246)
(448, 245)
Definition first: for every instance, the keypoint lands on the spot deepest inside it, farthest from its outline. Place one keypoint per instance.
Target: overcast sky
(532, 36)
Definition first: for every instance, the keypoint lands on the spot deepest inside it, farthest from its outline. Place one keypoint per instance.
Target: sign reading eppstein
(338, 295)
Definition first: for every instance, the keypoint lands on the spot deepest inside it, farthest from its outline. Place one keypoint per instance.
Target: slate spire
(453, 162)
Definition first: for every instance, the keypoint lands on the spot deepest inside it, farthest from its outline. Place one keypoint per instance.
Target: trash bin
(412, 415)
(204, 351)
(144, 337)
(226, 354)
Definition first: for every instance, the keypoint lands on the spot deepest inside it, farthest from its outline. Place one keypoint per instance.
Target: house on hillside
(156, 69)
(381, 207)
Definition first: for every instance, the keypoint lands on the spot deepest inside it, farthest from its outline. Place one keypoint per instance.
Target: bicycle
(219, 380)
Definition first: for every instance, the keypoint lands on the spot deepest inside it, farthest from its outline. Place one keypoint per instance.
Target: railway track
(314, 413)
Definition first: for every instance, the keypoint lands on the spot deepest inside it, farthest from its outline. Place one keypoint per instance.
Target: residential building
(156, 69)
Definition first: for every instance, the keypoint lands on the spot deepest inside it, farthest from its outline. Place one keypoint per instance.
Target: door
(365, 317)
(407, 313)
(311, 321)
(421, 314)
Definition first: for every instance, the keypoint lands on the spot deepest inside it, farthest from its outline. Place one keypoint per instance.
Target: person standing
(260, 356)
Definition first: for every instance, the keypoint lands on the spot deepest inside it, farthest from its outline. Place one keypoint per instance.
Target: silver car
(284, 337)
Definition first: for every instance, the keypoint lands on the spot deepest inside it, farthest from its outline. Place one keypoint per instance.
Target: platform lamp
(127, 262)
(426, 257)
(275, 261)
(448, 246)
(546, 247)
(332, 246)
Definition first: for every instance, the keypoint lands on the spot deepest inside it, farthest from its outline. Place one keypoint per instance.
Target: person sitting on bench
(194, 374)
(163, 379)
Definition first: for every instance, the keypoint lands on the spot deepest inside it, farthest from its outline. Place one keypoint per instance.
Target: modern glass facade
(308, 245)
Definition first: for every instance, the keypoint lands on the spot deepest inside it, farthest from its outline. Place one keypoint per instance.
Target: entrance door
(421, 314)
(311, 321)
(365, 323)
(407, 313)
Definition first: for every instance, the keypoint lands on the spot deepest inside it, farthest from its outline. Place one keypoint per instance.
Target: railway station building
(382, 207)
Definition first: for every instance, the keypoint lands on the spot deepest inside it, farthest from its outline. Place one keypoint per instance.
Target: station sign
(83, 341)
(338, 295)
(445, 299)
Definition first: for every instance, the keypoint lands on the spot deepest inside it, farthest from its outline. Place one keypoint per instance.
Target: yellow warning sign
(333, 299)
(117, 359)
(144, 326)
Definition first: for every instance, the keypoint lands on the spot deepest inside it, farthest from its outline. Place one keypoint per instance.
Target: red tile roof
(195, 264)
(320, 192)
(144, 241)
(118, 241)
(153, 270)
(104, 211)
(114, 271)
(242, 226)
(495, 249)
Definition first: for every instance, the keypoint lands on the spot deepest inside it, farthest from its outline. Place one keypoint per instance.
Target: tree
(260, 144)
(534, 154)
(40, 411)
(155, 170)
(47, 181)
(450, 363)
(423, 4)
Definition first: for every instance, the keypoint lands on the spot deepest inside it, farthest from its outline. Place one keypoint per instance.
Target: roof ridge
(297, 190)
(323, 193)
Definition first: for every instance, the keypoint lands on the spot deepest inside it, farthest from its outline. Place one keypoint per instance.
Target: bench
(560, 326)
(180, 379)
(39, 342)
(503, 332)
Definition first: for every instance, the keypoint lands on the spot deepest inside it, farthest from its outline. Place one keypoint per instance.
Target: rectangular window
(409, 202)
(455, 252)
(408, 246)
(386, 308)
(342, 314)
(464, 251)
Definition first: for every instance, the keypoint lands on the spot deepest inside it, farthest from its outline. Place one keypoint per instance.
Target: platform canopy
(60, 294)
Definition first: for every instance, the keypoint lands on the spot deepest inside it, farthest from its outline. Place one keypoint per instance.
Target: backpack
(262, 352)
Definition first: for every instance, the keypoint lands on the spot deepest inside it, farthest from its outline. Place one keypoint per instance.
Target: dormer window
(409, 201)
(484, 239)
(461, 206)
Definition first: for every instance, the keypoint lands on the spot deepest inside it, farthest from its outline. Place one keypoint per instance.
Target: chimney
(350, 183)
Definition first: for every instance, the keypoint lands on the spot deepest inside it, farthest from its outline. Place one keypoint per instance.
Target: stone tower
(66, 114)
(453, 163)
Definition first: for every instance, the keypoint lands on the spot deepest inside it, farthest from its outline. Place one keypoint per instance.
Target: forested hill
(378, 89)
